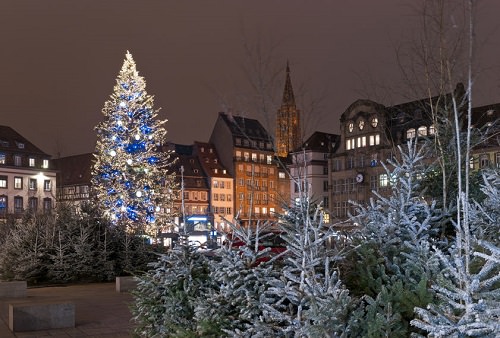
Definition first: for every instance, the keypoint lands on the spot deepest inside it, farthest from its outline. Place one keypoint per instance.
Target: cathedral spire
(288, 133)
(288, 97)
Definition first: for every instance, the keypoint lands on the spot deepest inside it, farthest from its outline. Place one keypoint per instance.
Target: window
(46, 185)
(238, 155)
(383, 180)
(269, 159)
(484, 161)
(350, 162)
(47, 205)
(3, 181)
(228, 185)
(361, 124)
(246, 156)
(422, 131)
(195, 195)
(240, 168)
(497, 160)
(2, 158)
(257, 210)
(228, 210)
(271, 184)
(228, 197)
(216, 197)
(373, 182)
(361, 141)
(254, 157)
(264, 210)
(216, 184)
(31, 162)
(325, 170)
(242, 196)
(374, 122)
(203, 195)
(271, 210)
(262, 158)
(18, 205)
(432, 130)
(281, 174)
(33, 204)
(186, 195)
(241, 182)
(325, 185)
(238, 141)
(337, 165)
(410, 133)
(17, 160)
(222, 197)
(18, 182)
(326, 202)
(32, 184)
(350, 126)
(3, 204)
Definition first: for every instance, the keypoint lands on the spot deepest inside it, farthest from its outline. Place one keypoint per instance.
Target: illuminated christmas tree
(130, 175)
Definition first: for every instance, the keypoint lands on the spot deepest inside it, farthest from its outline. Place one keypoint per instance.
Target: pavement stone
(100, 311)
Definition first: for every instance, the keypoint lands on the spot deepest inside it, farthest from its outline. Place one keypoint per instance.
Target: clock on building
(360, 178)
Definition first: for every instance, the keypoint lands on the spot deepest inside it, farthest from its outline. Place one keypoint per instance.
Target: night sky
(59, 60)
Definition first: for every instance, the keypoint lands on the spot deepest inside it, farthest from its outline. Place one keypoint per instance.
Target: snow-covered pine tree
(166, 295)
(130, 180)
(307, 299)
(240, 272)
(390, 265)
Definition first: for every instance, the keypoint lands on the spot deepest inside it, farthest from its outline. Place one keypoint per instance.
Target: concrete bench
(33, 316)
(15, 289)
(125, 283)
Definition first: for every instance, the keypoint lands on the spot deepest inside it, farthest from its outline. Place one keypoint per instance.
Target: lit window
(216, 184)
(45, 164)
(246, 156)
(432, 130)
(374, 122)
(271, 210)
(383, 180)
(32, 184)
(2, 158)
(3, 181)
(31, 162)
(264, 210)
(377, 139)
(47, 185)
(18, 182)
(281, 174)
(410, 133)
(17, 160)
(238, 155)
(269, 159)
(422, 131)
(254, 157)
(351, 127)
(361, 124)
(257, 210)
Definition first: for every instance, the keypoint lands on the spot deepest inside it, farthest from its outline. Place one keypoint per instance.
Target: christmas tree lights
(130, 175)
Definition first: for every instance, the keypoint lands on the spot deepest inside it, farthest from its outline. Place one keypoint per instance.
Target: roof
(209, 160)
(11, 140)
(74, 170)
(243, 127)
(322, 142)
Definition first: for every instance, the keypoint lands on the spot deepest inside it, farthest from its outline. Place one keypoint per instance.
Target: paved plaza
(100, 311)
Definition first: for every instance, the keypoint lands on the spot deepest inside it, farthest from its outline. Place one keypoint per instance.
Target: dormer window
(31, 162)
(45, 164)
(361, 124)
(20, 145)
(410, 133)
(350, 127)
(422, 131)
(374, 122)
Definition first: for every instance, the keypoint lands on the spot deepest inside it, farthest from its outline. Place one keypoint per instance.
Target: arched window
(410, 133)
(422, 131)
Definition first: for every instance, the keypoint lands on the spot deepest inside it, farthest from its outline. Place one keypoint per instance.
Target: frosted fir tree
(241, 271)
(167, 295)
(130, 178)
(307, 299)
(390, 264)
(469, 285)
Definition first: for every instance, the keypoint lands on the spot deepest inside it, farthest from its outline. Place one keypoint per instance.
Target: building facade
(27, 177)
(309, 169)
(73, 178)
(245, 149)
(220, 183)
